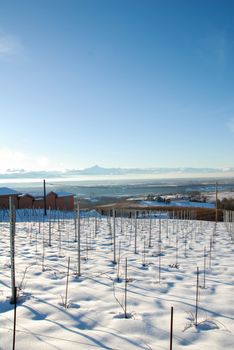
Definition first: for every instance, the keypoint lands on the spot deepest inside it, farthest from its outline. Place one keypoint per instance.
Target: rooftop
(6, 191)
(64, 194)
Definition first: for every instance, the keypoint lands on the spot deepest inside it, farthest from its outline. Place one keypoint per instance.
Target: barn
(51, 200)
(65, 200)
(54, 200)
(5, 194)
(25, 201)
(38, 202)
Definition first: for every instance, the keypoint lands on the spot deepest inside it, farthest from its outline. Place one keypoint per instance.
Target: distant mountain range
(97, 170)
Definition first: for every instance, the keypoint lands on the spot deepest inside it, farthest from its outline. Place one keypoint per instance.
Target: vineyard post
(160, 227)
(210, 252)
(150, 231)
(176, 250)
(44, 196)
(197, 287)
(204, 272)
(135, 244)
(49, 227)
(68, 269)
(118, 267)
(125, 288)
(216, 202)
(14, 325)
(171, 328)
(159, 262)
(12, 245)
(114, 237)
(78, 240)
(75, 222)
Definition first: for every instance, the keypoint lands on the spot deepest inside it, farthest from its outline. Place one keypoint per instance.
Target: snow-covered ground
(221, 195)
(160, 274)
(180, 203)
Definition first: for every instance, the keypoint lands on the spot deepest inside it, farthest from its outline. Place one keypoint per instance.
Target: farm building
(5, 194)
(59, 200)
(65, 200)
(25, 201)
(38, 202)
(55, 200)
(51, 200)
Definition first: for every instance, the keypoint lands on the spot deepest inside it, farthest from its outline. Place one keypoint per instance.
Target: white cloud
(14, 159)
(43, 161)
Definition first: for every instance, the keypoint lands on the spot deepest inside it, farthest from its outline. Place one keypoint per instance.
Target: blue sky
(127, 83)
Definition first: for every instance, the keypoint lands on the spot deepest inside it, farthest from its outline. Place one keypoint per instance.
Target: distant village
(53, 200)
(194, 197)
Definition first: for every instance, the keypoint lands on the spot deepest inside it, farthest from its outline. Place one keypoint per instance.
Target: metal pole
(114, 236)
(68, 268)
(135, 244)
(197, 296)
(210, 250)
(216, 202)
(204, 272)
(14, 327)
(78, 241)
(160, 227)
(125, 289)
(12, 245)
(171, 330)
(75, 223)
(150, 231)
(49, 228)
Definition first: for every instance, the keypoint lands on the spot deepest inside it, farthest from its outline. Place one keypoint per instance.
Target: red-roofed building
(54, 201)
(25, 201)
(5, 194)
(65, 201)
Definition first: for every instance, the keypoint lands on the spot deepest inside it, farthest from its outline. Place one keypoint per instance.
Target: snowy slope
(158, 276)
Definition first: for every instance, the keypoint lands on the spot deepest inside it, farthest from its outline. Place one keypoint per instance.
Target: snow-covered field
(162, 259)
(180, 203)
